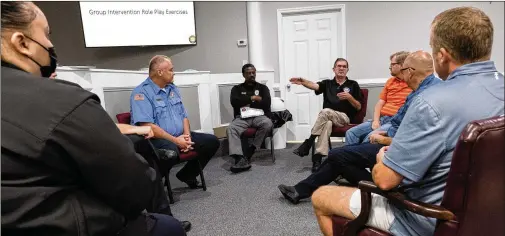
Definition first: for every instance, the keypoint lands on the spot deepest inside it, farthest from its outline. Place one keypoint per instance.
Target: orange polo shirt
(394, 93)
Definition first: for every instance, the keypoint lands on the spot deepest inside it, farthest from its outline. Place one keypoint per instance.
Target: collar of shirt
(10, 65)
(335, 81)
(427, 81)
(155, 87)
(473, 68)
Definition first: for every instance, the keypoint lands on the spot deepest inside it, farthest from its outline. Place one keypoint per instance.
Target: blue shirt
(398, 117)
(422, 149)
(160, 106)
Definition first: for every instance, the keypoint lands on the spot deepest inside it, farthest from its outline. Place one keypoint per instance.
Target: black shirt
(329, 88)
(64, 161)
(241, 96)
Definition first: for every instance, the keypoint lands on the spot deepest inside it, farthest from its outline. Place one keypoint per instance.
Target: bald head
(416, 67)
(421, 61)
(161, 70)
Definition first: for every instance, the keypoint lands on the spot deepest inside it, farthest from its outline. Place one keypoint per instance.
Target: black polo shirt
(329, 88)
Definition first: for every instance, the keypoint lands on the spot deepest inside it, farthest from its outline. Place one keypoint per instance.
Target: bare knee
(320, 196)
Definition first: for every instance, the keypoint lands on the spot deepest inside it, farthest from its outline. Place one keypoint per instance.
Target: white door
(311, 43)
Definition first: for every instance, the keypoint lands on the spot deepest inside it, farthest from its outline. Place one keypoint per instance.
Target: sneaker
(303, 150)
(241, 165)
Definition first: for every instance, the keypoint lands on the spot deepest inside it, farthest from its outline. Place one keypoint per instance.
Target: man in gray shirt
(421, 151)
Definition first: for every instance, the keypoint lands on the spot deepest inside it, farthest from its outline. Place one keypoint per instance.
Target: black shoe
(186, 225)
(315, 166)
(241, 165)
(192, 183)
(250, 153)
(290, 193)
(303, 150)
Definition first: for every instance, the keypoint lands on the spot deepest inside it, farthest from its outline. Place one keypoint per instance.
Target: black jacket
(241, 96)
(66, 168)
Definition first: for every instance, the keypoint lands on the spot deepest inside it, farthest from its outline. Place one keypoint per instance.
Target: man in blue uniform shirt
(422, 149)
(157, 103)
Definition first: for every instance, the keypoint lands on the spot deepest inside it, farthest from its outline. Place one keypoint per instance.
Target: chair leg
(313, 148)
(201, 176)
(169, 189)
(272, 148)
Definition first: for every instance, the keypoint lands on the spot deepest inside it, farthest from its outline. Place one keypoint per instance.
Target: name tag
(243, 93)
(247, 112)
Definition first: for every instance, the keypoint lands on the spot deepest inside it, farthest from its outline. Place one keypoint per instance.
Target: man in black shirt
(342, 98)
(245, 97)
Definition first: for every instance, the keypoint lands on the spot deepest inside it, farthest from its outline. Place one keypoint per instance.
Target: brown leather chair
(473, 202)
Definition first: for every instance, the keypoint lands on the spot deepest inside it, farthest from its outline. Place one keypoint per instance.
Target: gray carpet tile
(247, 203)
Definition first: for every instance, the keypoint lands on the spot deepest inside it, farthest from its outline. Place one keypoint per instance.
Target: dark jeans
(205, 145)
(348, 161)
(159, 203)
(167, 226)
(153, 225)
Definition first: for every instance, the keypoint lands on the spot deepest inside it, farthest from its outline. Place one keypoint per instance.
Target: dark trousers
(349, 161)
(153, 225)
(205, 145)
(159, 203)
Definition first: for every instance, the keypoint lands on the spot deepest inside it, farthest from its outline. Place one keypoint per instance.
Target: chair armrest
(396, 198)
(401, 201)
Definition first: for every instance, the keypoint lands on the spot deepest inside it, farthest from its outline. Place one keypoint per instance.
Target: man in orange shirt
(391, 99)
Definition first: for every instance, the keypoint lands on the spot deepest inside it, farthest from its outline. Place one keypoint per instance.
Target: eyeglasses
(406, 68)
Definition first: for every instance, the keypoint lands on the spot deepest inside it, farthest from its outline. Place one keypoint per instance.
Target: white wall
(98, 80)
(377, 29)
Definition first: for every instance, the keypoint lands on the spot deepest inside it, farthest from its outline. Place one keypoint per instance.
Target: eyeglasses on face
(406, 68)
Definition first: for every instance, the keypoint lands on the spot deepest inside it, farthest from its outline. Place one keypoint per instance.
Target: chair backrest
(360, 116)
(124, 118)
(476, 182)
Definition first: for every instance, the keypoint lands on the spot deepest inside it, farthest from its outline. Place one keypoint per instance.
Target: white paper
(247, 112)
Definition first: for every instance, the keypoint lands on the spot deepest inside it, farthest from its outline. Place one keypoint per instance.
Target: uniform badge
(138, 97)
(346, 89)
(171, 94)
(256, 92)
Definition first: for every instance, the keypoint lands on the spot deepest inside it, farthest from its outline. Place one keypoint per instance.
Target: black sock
(236, 157)
(317, 158)
(312, 138)
(252, 148)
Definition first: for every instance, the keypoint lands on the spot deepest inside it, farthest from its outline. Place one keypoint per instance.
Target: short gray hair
(156, 61)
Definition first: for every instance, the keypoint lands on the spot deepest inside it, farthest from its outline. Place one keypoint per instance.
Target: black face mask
(46, 71)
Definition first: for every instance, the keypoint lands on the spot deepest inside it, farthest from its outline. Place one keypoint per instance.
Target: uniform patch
(256, 92)
(171, 94)
(138, 97)
(346, 89)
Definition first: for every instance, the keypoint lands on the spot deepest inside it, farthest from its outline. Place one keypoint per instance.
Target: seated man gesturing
(341, 104)
(247, 100)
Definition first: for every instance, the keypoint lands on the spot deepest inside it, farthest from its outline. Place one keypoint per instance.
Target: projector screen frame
(136, 46)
